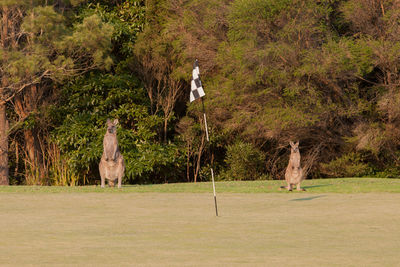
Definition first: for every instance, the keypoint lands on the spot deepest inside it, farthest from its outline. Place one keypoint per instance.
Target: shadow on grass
(306, 198)
(313, 186)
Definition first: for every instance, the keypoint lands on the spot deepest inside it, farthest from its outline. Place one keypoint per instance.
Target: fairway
(175, 229)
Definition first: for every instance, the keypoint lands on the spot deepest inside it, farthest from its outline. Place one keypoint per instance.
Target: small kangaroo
(112, 164)
(294, 172)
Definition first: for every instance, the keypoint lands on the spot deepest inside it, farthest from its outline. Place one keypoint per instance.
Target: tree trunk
(30, 146)
(3, 146)
(165, 130)
(25, 104)
(188, 163)
(200, 152)
(34, 152)
(3, 118)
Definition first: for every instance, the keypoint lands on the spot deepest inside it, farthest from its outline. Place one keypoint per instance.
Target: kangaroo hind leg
(289, 187)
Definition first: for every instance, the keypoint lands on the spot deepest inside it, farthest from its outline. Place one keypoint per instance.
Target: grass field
(344, 185)
(338, 222)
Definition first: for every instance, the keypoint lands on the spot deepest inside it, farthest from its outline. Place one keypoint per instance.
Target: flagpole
(211, 161)
(196, 93)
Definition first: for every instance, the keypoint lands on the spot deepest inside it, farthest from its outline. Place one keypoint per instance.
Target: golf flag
(196, 87)
(197, 92)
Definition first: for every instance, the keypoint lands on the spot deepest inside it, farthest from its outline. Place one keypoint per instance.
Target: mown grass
(181, 229)
(331, 224)
(342, 185)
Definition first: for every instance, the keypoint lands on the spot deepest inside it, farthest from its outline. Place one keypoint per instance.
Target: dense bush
(349, 165)
(322, 72)
(276, 71)
(244, 162)
(86, 105)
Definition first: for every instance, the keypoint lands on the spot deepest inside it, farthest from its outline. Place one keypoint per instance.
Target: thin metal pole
(215, 196)
(211, 161)
(205, 123)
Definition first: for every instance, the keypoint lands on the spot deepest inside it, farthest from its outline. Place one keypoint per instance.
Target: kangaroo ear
(297, 144)
(291, 144)
(115, 121)
(108, 120)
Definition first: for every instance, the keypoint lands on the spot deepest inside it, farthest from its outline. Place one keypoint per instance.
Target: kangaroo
(112, 165)
(294, 172)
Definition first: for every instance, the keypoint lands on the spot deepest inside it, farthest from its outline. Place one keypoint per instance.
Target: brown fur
(112, 165)
(294, 173)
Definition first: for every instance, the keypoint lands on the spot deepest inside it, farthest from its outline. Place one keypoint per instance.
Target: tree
(39, 48)
(376, 135)
(80, 114)
(276, 71)
(159, 64)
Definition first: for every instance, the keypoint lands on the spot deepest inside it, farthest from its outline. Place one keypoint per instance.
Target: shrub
(348, 165)
(244, 162)
(87, 104)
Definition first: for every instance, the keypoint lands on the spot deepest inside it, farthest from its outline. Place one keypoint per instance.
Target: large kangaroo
(112, 164)
(294, 172)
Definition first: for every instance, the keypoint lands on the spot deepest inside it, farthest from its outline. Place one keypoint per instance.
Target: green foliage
(246, 18)
(279, 70)
(348, 165)
(91, 37)
(44, 24)
(322, 72)
(244, 162)
(87, 104)
(127, 19)
(389, 172)
(49, 46)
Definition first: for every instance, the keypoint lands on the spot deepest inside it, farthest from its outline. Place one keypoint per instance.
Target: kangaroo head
(112, 126)
(294, 147)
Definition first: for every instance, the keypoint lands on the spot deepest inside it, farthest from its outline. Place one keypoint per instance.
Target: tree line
(322, 72)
